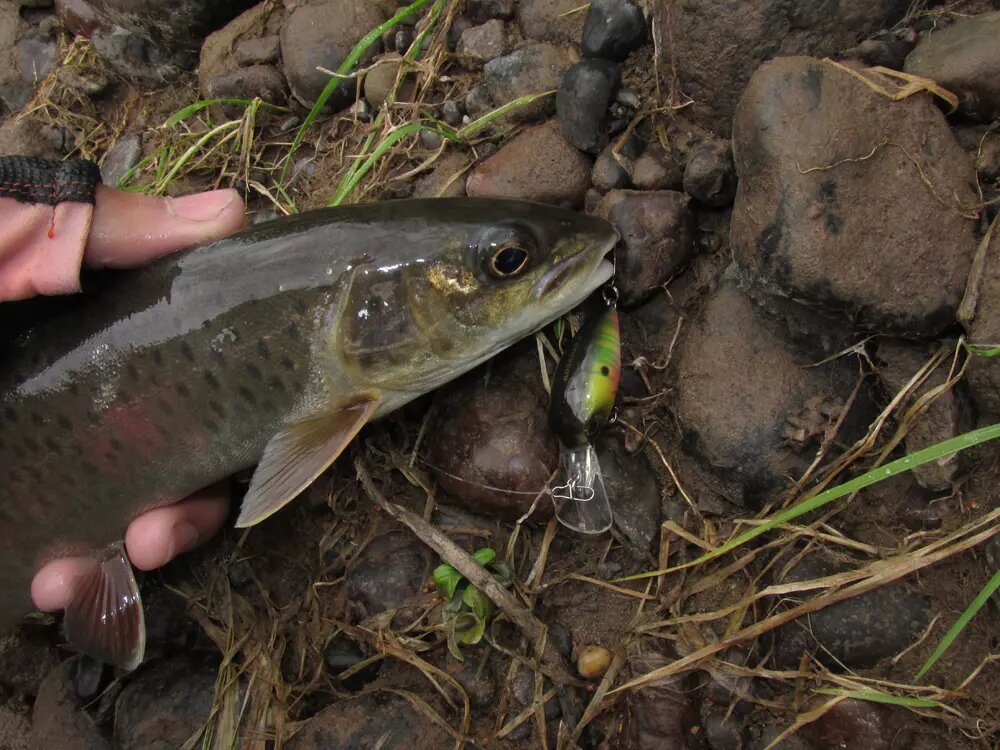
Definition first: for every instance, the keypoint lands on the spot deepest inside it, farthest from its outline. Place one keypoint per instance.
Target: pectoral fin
(297, 455)
(104, 619)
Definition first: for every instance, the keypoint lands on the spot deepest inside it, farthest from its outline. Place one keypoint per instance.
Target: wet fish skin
(181, 373)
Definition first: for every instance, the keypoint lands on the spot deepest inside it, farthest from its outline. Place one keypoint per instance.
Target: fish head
(472, 277)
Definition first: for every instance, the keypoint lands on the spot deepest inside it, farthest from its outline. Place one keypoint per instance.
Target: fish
(270, 348)
(581, 403)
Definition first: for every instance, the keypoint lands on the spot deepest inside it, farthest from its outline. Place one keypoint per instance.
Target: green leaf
(981, 598)
(182, 114)
(474, 634)
(501, 571)
(481, 607)
(446, 578)
(484, 555)
(983, 351)
(876, 697)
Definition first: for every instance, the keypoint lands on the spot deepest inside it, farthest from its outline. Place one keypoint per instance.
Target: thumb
(129, 230)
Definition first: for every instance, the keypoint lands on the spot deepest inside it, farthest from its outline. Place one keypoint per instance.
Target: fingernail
(184, 538)
(201, 206)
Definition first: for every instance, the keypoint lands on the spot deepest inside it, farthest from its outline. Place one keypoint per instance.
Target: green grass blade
(982, 351)
(182, 114)
(876, 697)
(899, 466)
(981, 598)
(343, 69)
(486, 120)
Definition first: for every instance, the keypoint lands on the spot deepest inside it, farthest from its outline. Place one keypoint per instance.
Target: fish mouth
(554, 283)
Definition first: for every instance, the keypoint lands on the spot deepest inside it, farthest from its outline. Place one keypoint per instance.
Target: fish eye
(509, 260)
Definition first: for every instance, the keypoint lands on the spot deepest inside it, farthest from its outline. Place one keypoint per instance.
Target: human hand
(129, 230)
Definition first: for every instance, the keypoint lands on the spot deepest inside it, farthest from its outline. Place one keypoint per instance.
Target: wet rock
(855, 633)
(661, 714)
(890, 51)
(868, 240)
(259, 51)
(380, 79)
(165, 705)
(537, 165)
(532, 69)
(582, 103)
(90, 82)
(613, 29)
(491, 440)
(710, 175)
(264, 81)
(762, 738)
(58, 720)
(486, 9)
(452, 113)
(635, 499)
(983, 144)
(448, 178)
(478, 682)
(698, 47)
(944, 418)
(478, 102)
(480, 44)
(742, 427)
(458, 27)
(394, 567)
(722, 729)
(593, 662)
(383, 720)
(90, 678)
(341, 654)
(15, 726)
(26, 658)
(561, 637)
(36, 58)
(656, 229)
(965, 59)
(551, 20)
(983, 376)
(657, 169)
(322, 35)
(857, 724)
(608, 172)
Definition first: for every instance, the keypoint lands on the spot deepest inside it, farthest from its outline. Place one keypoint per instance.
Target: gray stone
(582, 102)
(58, 720)
(258, 51)
(391, 569)
(480, 44)
(532, 69)
(552, 20)
(120, 158)
(613, 29)
(709, 174)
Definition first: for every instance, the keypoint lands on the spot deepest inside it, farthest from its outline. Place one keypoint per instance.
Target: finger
(129, 230)
(158, 536)
(52, 586)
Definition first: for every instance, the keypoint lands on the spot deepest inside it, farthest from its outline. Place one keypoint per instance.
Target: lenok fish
(273, 348)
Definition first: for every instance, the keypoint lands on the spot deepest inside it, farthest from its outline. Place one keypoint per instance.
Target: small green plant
(467, 610)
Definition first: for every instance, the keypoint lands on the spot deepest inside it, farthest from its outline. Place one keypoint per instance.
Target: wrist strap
(28, 179)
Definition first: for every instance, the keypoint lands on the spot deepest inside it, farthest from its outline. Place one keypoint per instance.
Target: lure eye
(508, 261)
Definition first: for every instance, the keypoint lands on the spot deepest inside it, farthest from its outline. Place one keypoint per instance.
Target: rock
(551, 20)
(739, 426)
(710, 175)
(656, 229)
(965, 59)
(264, 81)
(659, 716)
(29, 136)
(867, 241)
(486, 9)
(452, 112)
(58, 720)
(532, 69)
(857, 724)
(259, 51)
(322, 34)
(36, 58)
(478, 102)
(983, 376)
(762, 738)
(448, 178)
(490, 447)
(479, 682)
(480, 44)
(537, 165)
(983, 145)
(608, 173)
(635, 499)
(593, 662)
(26, 658)
(855, 633)
(390, 570)
(165, 705)
(722, 729)
(15, 727)
(656, 169)
(92, 82)
(889, 52)
(944, 418)
(582, 103)
(380, 79)
(697, 43)
(614, 29)
(341, 654)
(384, 720)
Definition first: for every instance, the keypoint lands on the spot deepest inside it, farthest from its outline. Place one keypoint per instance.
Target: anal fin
(104, 619)
(298, 454)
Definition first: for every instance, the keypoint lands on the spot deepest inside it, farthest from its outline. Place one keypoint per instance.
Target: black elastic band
(32, 180)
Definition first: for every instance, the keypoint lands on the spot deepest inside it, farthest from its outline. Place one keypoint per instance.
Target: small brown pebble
(593, 662)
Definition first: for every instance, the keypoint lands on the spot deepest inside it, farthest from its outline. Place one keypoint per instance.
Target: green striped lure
(582, 401)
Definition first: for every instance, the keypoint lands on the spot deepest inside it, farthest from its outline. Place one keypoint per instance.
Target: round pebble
(593, 662)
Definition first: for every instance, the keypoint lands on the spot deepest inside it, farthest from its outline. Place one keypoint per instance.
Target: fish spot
(217, 408)
(275, 383)
(18, 451)
(15, 476)
(115, 444)
(64, 422)
(132, 371)
(10, 414)
(93, 418)
(111, 457)
(164, 406)
(34, 473)
(254, 371)
(187, 351)
(246, 394)
(74, 389)
(300, 306)
(32, 445)
(263, 350)
(37, 420)
(53, 446)
(288, 364)
(184, 390)
(164, 432)
(268, 407)
(605, 370)
(210, 425)
(293, 332)
(210, 379)
(88, 467)
(157, 358)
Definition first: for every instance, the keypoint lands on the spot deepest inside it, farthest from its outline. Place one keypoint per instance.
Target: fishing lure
(582, 401)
